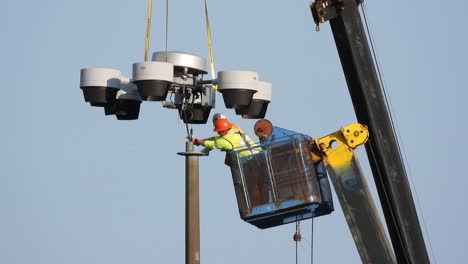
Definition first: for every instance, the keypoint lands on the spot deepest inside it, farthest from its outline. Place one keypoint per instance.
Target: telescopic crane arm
(336, 151)
(371, 109)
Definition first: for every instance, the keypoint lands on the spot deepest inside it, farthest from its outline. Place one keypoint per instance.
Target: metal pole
(192, 204)
(382, 148)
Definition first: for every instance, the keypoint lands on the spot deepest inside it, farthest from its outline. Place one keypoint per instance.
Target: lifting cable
(312, 241)
(393, 124)
(297, 236)
(185, 101)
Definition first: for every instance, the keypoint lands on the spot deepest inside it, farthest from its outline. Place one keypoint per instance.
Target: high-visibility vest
(233, 140)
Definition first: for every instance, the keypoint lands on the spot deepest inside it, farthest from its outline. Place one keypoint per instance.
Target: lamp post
(192, 204)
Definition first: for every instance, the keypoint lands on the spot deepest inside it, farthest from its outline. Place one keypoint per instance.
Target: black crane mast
(370, 106)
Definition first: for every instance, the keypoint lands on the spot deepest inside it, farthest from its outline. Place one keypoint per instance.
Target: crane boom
(336, 151)
(370, 107)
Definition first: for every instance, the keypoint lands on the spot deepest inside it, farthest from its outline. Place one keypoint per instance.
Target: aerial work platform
(278, 182)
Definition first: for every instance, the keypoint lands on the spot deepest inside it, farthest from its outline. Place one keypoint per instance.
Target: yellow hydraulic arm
(336, 151)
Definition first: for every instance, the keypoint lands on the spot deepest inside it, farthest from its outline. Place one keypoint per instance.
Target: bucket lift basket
(279, 184)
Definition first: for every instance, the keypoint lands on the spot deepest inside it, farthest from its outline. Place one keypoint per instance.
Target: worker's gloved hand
(195, 141)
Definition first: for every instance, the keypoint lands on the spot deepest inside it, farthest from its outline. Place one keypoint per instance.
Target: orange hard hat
(222, 125)
(218, 116)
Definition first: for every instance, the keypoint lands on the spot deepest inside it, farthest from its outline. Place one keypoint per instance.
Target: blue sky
(79, 187)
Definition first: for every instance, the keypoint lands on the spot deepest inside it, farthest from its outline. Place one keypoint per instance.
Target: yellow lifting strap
(210, 46)
(148, 28)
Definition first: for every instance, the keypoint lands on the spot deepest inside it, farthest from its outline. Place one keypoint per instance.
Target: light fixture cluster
(176, 80)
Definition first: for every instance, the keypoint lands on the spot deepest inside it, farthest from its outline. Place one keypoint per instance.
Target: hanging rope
(148, 28)
(210, 46)
(297, 237)
(312, 242)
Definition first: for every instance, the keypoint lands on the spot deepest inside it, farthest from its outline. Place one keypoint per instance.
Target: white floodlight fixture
(237, 87)
(127, 104)
(193, 99)
(153, 79)
(184, 63)
(100, 85)
(259, 104)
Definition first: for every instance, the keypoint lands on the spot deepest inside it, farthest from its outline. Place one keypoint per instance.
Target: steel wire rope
(395, 127)
(185, 102)
(297, 237)
(166, 41)
(312, 241)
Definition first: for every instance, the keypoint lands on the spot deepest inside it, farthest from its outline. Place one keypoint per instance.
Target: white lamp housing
(237, 87)
(153, 79)
(184, 62)
(127, 104)
(100, 85)
(259, 104)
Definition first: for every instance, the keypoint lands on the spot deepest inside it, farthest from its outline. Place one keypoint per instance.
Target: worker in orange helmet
(229, 137)
(221, 116)
(234, 128)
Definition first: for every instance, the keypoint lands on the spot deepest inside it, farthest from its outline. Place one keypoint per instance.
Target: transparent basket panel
(293, 170)
(281, 172)
(239, 186)
(258, 179)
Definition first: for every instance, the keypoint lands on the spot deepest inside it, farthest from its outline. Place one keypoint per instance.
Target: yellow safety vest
(233, 140)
